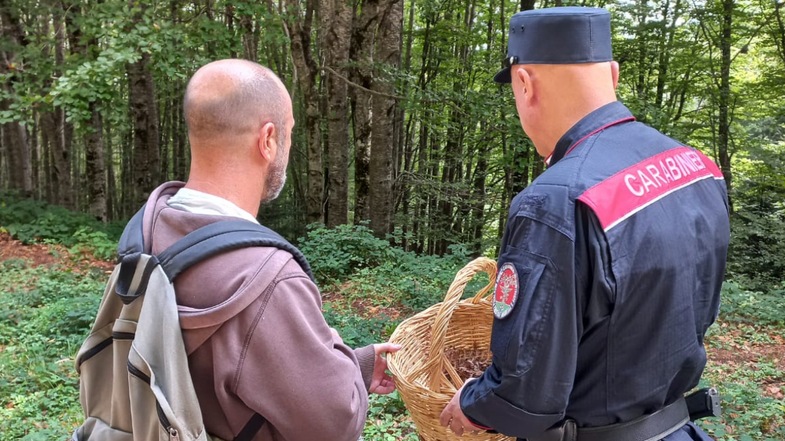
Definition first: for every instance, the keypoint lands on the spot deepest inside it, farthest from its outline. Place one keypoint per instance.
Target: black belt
(651, 427)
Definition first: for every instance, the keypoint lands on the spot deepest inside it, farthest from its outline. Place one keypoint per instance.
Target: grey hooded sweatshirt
(257, 340)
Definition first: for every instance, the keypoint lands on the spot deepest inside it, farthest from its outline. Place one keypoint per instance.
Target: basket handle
(436, 358)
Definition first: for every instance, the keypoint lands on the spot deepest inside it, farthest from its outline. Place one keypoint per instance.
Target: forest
(404, 160)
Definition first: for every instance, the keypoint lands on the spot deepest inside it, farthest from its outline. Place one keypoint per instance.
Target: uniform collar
(600, 119)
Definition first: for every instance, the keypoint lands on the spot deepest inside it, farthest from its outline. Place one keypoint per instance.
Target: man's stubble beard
(277, 176)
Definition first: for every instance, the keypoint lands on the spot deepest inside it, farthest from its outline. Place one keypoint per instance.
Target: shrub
(762, 308)
(757, 250)
(335, 253)
(32, 221)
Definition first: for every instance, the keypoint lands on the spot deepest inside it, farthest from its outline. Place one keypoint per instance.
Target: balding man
(612, 260)
(256, 339)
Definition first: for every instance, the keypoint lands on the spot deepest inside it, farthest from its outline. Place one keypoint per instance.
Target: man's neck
(238, 195)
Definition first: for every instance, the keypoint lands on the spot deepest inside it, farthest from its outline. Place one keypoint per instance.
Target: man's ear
(615, 73)
(267, 144)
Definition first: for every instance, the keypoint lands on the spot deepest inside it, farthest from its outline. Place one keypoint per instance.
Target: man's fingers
(385, 389)
(384, 348)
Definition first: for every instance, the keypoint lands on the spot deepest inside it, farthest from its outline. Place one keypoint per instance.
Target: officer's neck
(563, 121)
(569, 93)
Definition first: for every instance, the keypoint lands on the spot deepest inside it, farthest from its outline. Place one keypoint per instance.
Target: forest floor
(746, 360)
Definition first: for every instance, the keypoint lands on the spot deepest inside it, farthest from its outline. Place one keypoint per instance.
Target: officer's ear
(526, 84)
(615, 73)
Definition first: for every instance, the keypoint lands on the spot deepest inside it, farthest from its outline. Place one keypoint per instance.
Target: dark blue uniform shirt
(619, 249)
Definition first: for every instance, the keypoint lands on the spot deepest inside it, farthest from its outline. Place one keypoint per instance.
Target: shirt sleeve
(307, 384)
(526, 389)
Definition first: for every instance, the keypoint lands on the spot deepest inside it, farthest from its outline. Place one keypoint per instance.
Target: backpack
(134, 382)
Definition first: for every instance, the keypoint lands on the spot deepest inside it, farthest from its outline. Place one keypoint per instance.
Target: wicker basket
(419, 367)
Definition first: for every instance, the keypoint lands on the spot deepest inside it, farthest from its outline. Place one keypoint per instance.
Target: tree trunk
(164, 140)
(14, 134)
(250, 44)
(35, 157)
(640, 86)
(724, 122)
(666, 44)
(95, 166)
(305, 70)
(779, 34)
(46, 151)
(111, 186)
(64, 130)
(361, 52)
(388, 49)
(335, 35)
(144, 114)
(526, 5)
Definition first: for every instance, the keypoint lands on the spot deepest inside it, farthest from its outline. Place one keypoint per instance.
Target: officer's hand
(381, 382)
(453, 416)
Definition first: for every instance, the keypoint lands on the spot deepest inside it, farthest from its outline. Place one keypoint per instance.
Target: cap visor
(503, 77)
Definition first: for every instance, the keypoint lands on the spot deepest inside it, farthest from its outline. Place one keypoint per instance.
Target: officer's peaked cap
(562, 35)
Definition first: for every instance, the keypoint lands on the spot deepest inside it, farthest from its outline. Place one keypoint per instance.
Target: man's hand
(453, 416)
(381, 382)
(336, 336)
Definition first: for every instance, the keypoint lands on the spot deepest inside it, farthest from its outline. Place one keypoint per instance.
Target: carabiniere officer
(611, 262)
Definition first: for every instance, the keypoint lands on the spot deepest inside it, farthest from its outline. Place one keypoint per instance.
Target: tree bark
(63, 130)
(361, 52)
(144, 114)
(526, 5)
(250, 43)
(112, 209)
(305, 70)
(666, 43)
(641, 37)
(95, 166)
(335, 36)
(388, 49)
(14, 133)
(779, 34)
(724, 120)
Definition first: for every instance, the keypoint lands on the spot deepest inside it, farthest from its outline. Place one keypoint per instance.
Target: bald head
(232, 98)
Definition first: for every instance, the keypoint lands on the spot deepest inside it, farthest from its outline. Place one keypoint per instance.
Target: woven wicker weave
(419, 367)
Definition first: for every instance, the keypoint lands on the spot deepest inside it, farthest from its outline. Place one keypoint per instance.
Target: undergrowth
(45, 313)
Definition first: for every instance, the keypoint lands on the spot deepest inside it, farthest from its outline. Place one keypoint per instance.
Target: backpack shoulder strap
(196, 246)
(132, 240)
(220, 237)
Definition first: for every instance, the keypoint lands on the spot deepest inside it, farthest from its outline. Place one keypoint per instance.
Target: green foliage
(384, 420)
(415, 281)
(357, 331)
(378, 271)
(44, 316)
(754, 306)
(335, 253)
(748, 414)
(96, 243)
(32, 221)
(757, 251)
